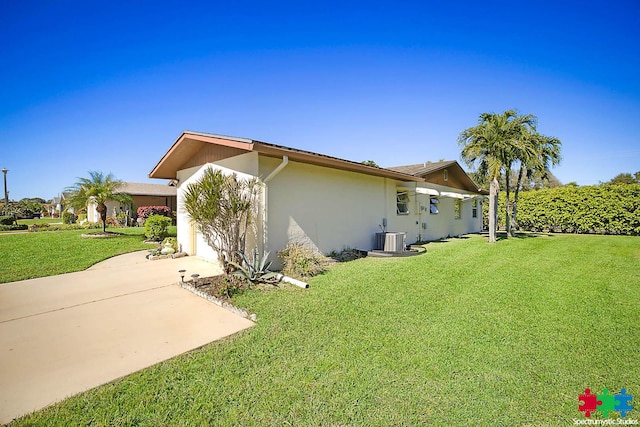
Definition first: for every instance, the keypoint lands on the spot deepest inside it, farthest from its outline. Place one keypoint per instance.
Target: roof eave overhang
(330, 162)
(189, 143)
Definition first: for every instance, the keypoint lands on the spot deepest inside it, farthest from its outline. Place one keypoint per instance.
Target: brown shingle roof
(189, 143)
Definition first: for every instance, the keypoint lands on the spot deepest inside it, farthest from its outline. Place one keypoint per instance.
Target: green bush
(301, 262)
(63, 227)
(155, 227)
(13, 227)
(602, 209)
(68, 217)
(7, 220)
(39, 227)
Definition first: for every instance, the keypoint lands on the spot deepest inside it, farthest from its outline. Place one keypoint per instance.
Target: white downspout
(276, 171)
(265, 194)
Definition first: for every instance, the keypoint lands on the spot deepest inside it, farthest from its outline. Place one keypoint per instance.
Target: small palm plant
(99, 189)
(256, 271)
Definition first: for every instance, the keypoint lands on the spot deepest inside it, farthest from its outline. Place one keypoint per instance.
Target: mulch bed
(217, 289)
(221, 286)
(101, 235)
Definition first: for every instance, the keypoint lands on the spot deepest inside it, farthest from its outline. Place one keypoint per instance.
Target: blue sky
(109, 86)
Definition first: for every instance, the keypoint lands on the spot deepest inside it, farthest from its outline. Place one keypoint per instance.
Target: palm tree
(99, 189)
(542, 153)
(491, 147)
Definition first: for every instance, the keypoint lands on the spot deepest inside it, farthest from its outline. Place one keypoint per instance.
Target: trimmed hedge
(13, 227)
(7, 220)
(602, 209)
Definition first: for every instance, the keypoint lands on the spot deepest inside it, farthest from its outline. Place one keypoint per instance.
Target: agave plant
(256, 271)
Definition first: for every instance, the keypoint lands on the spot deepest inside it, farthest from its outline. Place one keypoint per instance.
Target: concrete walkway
(61, 335)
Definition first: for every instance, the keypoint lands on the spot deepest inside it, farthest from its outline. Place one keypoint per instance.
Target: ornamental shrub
(112, 221)
(7, 220)
(301, 262)
(69, 217)
(145, 212)
(156, 226)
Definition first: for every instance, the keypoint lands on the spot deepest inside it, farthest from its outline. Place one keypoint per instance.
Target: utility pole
(6, 193)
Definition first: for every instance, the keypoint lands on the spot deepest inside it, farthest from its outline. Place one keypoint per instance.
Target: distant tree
(370, 163)
(571, 184)
(34, 204)
(100, 189)
(626, 178)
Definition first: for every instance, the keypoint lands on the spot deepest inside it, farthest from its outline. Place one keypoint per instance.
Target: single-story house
(57, 203)
(325, 202)
(143, 194)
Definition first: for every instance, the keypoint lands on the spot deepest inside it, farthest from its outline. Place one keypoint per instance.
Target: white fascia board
(429, 191)
(452, 195)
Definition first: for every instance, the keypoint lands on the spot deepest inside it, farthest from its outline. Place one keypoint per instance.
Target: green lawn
(467, 334)
(45, 253)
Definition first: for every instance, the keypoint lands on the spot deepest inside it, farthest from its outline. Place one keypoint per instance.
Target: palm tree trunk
(507, 206)
(102, 210)
(494, 188)
(514, 207)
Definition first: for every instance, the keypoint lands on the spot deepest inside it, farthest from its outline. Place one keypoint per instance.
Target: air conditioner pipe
(291, 280)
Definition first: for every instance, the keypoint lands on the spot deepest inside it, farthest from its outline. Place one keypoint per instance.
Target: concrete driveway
(61, 335)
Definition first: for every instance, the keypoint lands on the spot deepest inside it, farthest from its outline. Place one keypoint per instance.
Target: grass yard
(45, 253)
(467, 334)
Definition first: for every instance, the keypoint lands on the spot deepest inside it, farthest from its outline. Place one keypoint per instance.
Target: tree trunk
(102, 210)
(514, 207)
(494, 188)
(507, 206)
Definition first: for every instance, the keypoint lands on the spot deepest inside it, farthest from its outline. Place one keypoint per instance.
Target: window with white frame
(457, 209)
(402, 202)
(433, 205)
(474, 208)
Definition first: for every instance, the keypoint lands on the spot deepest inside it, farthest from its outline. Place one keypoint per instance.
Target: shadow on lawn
(441, 240)
(522, 235)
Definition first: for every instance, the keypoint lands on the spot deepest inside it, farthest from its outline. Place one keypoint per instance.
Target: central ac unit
(391, 241)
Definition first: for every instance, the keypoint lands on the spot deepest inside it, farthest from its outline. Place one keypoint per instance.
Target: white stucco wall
(327, 209)
(94, 216)
(324, 208)
(192, 242)
(438, 225)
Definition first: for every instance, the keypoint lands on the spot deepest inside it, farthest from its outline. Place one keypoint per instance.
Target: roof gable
(448, 173)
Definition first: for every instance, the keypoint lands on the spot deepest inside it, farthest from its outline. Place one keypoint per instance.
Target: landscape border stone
(224, 304)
